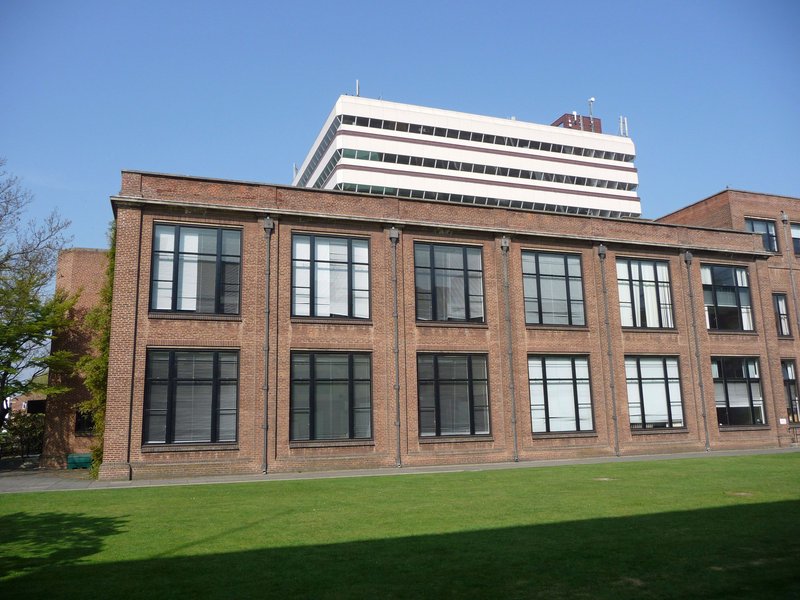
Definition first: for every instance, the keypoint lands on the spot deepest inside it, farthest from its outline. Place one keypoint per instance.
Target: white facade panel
(558, 166)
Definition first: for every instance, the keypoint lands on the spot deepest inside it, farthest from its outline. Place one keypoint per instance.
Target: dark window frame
(661, 304)
(794, 228)
(84, 423)
(312, 271)
(431, 277)
(437, 382)
(790, 389)
(575, 395)
(666, 380)
(768, 238)
(172, 381)
(782, 323)
(219, 307)
(572, 304)
(714, 288)
(747, 380)
(312, 381)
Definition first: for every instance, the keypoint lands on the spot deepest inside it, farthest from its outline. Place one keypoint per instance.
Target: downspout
(687, 258)
(601, 252)
(790, 249)
(269, 226)
(505, 244)
(394, 238)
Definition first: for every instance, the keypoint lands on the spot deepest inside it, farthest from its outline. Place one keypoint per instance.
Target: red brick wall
(80, 271)
(236, 204)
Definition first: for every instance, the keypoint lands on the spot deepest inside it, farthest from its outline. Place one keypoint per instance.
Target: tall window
(196, 269)
(796, 238)
(330, 277)
(449, 282)
(726, 294)
(552, 288)
(654, 392)
(191, 396)
(789, 370)
(453, 394)
(767, 231)
(645, 299)
(561, 398)
(737, 391)
(331, 397)
(781, 314)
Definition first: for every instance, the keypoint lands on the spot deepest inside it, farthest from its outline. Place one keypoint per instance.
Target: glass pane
(198, 240)
(360, 251)
(193, 412)
(422, 255)
(231, 242)
(226, 427)
(194, 365)
(301, 247)
(227, 396)
(331, 366)
(454, 408)
(448, 257)
(453, 367)
(158, 363)
(164, 238)
(361, 367)
(331, 418)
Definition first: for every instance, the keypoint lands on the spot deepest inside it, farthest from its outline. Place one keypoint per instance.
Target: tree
(29, 316)
(94, 367)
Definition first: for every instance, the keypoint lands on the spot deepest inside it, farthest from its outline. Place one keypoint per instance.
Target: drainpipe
(687, 258)
(505, 244)
(790, 249)
(269, 226)
(394, 238)
(601, 252)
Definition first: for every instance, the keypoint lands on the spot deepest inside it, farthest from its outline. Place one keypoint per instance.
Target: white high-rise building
(386, 148)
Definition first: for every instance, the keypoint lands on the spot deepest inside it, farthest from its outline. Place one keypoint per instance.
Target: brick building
(272, 328)
(67, 430)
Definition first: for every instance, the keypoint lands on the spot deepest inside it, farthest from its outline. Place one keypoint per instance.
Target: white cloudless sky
(239, 90)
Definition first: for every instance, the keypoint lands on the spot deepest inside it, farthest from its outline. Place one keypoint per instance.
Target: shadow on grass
(744, 551)
(31, 543)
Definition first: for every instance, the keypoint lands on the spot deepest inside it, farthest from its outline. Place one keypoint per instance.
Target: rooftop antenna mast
(358, 89)
(623, 126)
(591, 114)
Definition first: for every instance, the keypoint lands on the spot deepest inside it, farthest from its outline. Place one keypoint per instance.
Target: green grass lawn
(693, 528)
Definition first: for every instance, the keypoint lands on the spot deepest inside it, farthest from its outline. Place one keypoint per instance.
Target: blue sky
(239, 90)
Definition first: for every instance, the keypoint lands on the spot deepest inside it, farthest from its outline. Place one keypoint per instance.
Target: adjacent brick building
(268, 328)
(67, 431)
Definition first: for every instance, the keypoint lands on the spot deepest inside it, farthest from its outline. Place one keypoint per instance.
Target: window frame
(312, 272)
(172, 382)
(715, 288)
(642, 399)
(84, 424)
(572, 312)
(575, 393)
(176, 263)
(747, 380)
(661, 305)
(782, 321)
(313, 381)
(790, 389)
(437, 382)
(465, 273)
(766, 236)
(795, 228)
